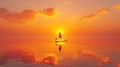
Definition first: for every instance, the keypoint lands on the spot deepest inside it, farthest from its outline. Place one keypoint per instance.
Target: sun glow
(60, 31)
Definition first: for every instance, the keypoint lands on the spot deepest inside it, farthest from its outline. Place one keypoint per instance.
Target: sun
(60, 30)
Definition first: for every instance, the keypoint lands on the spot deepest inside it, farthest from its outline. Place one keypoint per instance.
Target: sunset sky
(28, 29)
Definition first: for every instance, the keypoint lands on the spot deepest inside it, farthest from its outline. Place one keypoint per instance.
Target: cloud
(50, 59)
(19, 55)
(27, 15)
(3, 12)
(101, 60)
(48, 11)
(94, 15)
(28, 57)
(85, 18)
(102, 11)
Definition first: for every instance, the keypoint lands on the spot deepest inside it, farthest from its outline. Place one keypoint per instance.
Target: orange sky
(88, 25)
